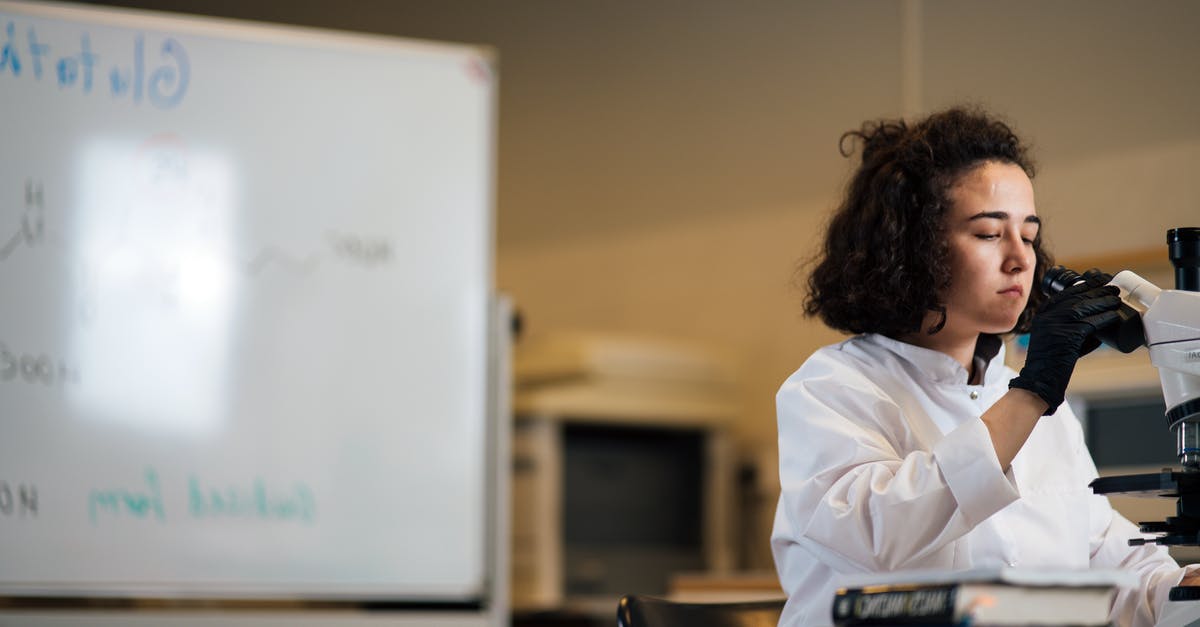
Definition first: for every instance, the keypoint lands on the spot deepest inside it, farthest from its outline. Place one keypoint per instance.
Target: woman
(911, 444)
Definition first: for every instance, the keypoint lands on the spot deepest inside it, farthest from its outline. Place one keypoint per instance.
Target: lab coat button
(974, 395)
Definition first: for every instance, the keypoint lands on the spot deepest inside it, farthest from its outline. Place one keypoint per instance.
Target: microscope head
(1173, 336)
(1171, 320)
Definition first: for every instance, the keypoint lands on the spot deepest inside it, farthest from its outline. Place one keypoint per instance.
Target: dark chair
(642, 611)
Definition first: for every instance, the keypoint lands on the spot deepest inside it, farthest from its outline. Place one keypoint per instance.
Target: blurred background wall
(665, 165)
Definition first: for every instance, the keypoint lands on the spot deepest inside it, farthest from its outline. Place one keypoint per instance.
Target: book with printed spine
(998, 597)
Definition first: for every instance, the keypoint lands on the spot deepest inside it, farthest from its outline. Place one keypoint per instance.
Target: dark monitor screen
(632, 486)
(633, 507)
(1129, 432)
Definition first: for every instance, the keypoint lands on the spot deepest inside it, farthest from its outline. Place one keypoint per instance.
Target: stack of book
(1000, 597)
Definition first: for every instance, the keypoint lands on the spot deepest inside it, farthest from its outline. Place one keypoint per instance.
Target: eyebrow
(1003, 215)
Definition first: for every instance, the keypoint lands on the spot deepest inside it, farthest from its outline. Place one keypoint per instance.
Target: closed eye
(994, 236)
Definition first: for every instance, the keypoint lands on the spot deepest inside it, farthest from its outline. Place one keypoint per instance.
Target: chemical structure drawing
(272, 256)
(126, 250)
(349, 249)
(31, 231)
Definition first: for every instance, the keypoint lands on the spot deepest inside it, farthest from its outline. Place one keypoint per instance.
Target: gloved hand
(1063, 331)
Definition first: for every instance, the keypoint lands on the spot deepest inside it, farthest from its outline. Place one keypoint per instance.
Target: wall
(664, 165)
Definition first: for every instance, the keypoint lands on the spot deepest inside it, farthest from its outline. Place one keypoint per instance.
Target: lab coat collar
(942, 368)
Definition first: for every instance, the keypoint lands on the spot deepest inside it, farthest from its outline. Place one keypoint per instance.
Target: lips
(1015, 290)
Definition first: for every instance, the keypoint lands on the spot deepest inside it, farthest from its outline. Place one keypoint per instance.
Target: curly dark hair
(885, 259)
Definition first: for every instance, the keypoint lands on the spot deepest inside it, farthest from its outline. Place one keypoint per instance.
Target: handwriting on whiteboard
(18, 500)
(255, 500)
(35, 368)
(158, 73)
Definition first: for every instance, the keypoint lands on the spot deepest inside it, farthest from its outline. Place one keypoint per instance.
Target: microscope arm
(1172, 325)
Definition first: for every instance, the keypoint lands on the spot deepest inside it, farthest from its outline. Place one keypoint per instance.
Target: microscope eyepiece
(1126, 335)
(1058, 279)
(1183, 246)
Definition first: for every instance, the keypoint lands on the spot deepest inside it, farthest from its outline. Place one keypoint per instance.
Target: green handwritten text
(255, 501)
(137, 504)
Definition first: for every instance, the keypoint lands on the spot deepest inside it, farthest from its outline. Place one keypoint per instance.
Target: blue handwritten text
(161, 77)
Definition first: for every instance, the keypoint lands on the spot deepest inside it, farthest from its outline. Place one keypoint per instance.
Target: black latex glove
(1063, 331)
(1095, 278)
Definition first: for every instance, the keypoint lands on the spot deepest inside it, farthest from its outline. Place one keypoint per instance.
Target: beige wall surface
(1108, 94)
(664, 165)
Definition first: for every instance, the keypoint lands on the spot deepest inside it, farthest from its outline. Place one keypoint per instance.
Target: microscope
(1170, 322)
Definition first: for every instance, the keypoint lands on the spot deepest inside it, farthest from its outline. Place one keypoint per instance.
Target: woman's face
(990, 228)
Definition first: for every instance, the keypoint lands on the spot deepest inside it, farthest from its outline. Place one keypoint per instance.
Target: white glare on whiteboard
(152, 248)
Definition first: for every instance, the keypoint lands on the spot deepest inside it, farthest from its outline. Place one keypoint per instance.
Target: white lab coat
(885, 465)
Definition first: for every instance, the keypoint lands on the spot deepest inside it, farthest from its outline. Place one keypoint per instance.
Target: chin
(1001, 328)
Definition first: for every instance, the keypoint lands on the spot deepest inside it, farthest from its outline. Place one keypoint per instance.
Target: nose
(1018, 256)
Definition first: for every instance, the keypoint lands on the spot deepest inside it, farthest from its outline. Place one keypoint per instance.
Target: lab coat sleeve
(1157, 572)
(862, 493)
(1109, 536)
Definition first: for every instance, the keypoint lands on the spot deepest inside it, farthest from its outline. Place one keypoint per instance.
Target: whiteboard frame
(492, 605)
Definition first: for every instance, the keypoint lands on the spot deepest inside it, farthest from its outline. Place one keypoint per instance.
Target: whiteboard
(245, 275)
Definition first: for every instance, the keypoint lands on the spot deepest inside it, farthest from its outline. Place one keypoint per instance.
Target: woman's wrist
(1010, 420)
(1023, 397)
